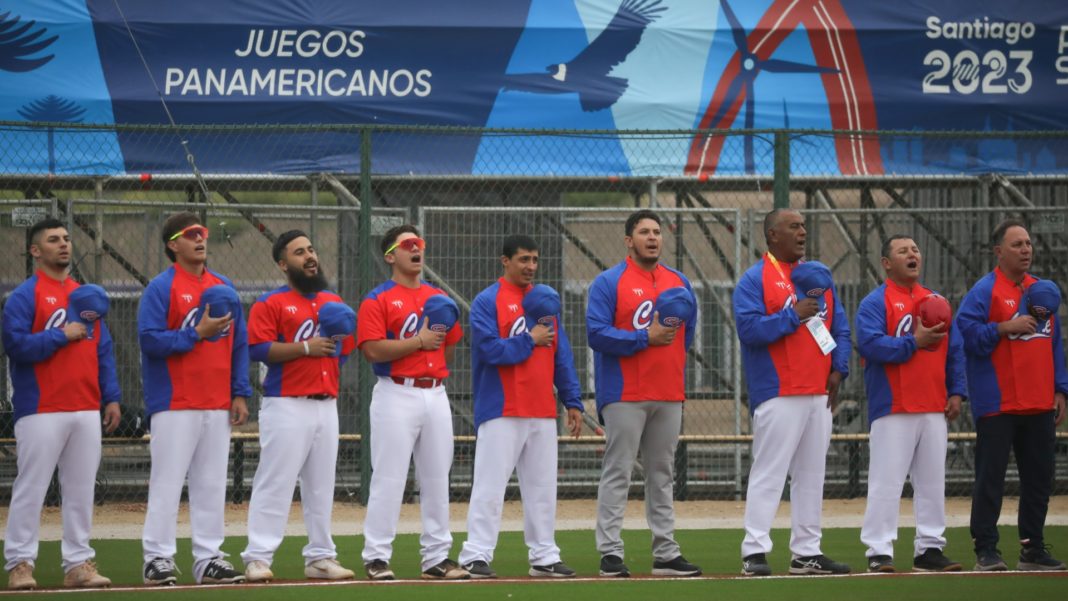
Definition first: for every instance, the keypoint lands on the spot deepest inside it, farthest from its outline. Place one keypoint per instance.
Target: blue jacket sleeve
(973, 320)
(564, 377)
(1060, 371)
(156, 340)
(19, 343)
(485, 336)
(755, 328)
(601, 332)
(258, 352)
(105, 359)
(840, 331)
(956, 374)
(873, 343)
(239, 382)
(691, 324)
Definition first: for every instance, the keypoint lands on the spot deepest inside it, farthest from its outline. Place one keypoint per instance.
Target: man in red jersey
(410, 412)
(298, 416)
(640, 365)
(1017, 382)
(60, 377)
(195, 373)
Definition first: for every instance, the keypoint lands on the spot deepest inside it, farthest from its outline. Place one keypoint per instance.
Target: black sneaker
(932, 560)
(755, 565)
(479, 570)
(161, 571)
(220, 571)
(817, 564)
(378, 569)
(446, 570)
(881, 564)
(1037, 558)
(556, 570)
(613, 567)
(989, 560)
(676, 567)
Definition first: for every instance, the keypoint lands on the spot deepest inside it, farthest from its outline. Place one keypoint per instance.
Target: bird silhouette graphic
(17, 42)
(587, 74)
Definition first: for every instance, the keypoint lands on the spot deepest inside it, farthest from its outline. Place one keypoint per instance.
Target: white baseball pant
(791, 435)
(527, 446)
(197, 443)
(407, 423)
(44, 441)
(913, 445)
(298, 440)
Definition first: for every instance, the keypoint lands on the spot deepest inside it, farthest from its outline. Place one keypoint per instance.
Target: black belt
(319, 397)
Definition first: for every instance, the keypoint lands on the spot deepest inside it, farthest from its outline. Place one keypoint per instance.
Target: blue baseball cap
(540, 304)
(811, 279)
(223, 299)
(336, 321)
(675, 305)
(442, 312)
(86, 304)
(1042, 299)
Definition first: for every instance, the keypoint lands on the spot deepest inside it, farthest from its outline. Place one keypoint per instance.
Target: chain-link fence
(547, 185)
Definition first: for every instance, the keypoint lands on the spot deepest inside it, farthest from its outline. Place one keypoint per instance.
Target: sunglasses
(409, 244)
(191, 233)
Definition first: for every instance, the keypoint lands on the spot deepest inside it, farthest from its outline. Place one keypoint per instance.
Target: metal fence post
(782, 170)
(365, 286)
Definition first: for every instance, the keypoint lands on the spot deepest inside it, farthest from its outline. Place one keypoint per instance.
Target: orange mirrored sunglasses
(192, 232)
(409, 244)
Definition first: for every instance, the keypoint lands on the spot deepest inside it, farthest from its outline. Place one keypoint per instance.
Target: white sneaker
(328, 569)
(258, 571)
(84, 575)
(20, 578)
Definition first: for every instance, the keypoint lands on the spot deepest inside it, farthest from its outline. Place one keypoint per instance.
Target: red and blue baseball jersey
(285, 315)
(512, 377)
(49, 374)
(394, 312)
(180, 372)
(1009, 374)
(898, 377)
(618, 315)
(780, 357)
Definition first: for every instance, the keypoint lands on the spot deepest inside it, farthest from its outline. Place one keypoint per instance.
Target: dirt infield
(125, 520)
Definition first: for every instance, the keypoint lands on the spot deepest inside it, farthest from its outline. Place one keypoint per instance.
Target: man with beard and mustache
(298, 418)
(61, 375)
(640, 366)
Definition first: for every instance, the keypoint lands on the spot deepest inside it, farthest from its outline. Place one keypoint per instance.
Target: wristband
(307, 351)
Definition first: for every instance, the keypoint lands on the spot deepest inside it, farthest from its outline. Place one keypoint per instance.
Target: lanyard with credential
(775, 263)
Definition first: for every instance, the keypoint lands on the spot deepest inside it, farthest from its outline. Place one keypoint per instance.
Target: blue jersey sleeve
(956, 369)
(840, 332)
(973, 320)
(19, 343)
(691, 324)
(485, 336)
(755, 327)
(873, 341)
(239, 382)
(564, 376)
(156, 340)
(105, 359)
(601, 332)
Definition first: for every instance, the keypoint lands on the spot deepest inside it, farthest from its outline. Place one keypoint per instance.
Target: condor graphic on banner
(680, 65)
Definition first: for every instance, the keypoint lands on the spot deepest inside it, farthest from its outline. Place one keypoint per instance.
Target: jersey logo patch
(638, 292)
(292, 309)
(1010, 303)
(643, 315)
(1046, 331)
(513, 308)
(398, 304)
(56, 320)
(411, 324)
(187, 298)
(899, 306)
(781, 285)
(519, 327)
(904, 325)
(50, 300)
(306, 331)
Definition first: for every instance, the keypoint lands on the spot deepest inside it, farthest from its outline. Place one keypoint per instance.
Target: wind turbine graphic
(750, 66)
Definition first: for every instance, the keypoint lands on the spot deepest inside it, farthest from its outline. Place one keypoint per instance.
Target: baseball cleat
(817, 564)
(1037, 558)
(161, 571)
(932, 560)
(20, 578)
(555, 570)
(676, 567)
(756, 565)
(328, 569)
(480, 570)
(881, 564)
(613, 567)
(84, 575)
(378, 570)
(220, 571)
(446, 570)
(989, 561)
(258, 571)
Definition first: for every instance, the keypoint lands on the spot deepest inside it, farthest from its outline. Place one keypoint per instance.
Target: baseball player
(410, 412)
(640, 365)
(298, 417)
(514, 365)
(195, 373)
(61, 377)
(915, 384)
(793, 370)
(1017, 382)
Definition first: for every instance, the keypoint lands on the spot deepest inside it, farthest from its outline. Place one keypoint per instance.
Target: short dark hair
(174, 224)
(772, 217)
(394, 232)
(513, 243)
(48, 223)
(637, 216)
(999, 232)
(885, 252)
(278, 249)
